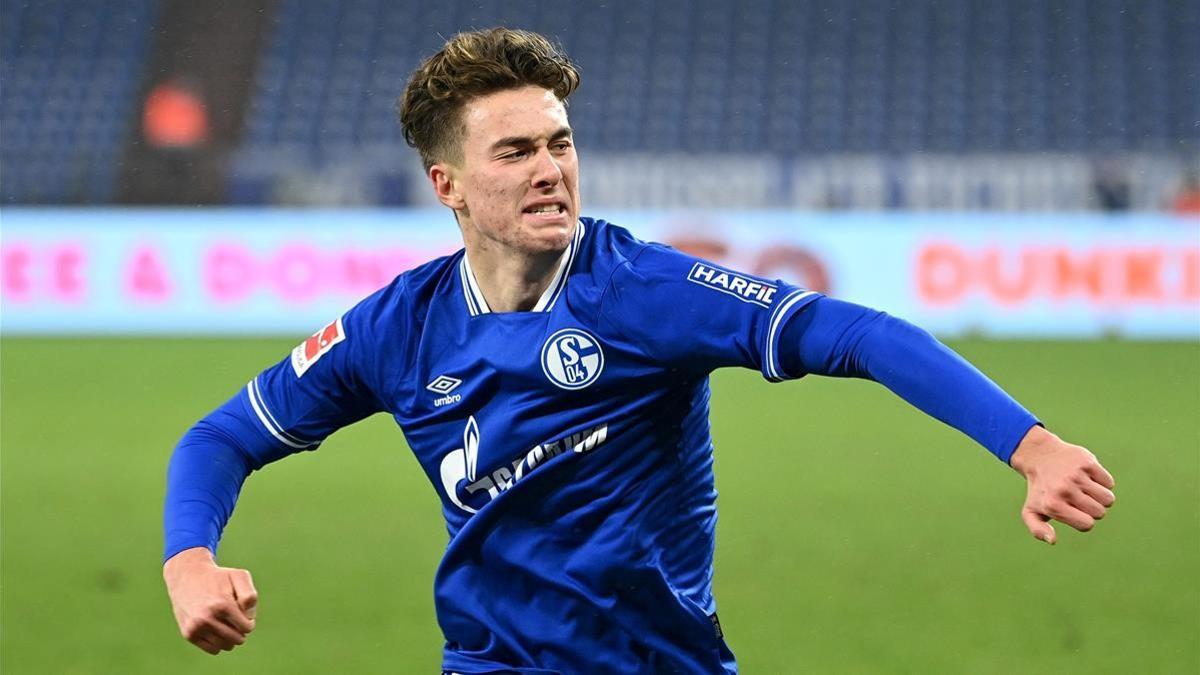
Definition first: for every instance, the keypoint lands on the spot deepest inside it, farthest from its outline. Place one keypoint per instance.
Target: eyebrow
(518, 141)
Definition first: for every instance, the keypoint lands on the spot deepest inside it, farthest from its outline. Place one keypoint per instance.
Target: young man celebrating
(552, 381)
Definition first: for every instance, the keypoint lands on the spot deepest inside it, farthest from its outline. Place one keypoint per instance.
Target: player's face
(518, 182)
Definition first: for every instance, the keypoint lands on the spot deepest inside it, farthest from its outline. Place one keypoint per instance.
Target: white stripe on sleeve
(773, 369)
(268, 421)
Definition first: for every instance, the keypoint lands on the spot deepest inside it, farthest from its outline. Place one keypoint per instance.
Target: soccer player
(552, 381)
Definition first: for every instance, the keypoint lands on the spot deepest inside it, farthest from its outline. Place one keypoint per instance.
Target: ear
(445, 186)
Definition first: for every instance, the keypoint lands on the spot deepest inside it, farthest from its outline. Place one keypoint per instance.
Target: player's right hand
(214, 606)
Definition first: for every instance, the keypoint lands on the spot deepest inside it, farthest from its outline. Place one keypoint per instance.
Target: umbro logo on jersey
(739, 286)
(444, 384)
(572, 359)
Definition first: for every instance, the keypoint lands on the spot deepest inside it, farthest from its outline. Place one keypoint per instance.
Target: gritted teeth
(546, 208)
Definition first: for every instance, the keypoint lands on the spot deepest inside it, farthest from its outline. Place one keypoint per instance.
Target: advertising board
(234, 271)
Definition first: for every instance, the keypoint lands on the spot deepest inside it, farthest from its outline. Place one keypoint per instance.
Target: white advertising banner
(231, 271)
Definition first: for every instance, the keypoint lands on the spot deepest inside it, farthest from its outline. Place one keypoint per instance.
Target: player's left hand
(1065, 483)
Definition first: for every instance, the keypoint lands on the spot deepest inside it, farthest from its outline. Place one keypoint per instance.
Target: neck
(510, 281)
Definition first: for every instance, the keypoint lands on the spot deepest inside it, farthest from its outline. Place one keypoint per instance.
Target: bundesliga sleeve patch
(312, 349)
(742, 287)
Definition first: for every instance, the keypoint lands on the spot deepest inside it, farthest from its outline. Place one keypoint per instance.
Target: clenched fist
(214, 606)
(1065, 483)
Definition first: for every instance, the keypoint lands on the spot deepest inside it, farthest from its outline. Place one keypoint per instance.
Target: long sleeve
(205, 475)
(329, 381)
(841, 339)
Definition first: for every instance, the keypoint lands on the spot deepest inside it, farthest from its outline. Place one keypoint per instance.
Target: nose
(546, 172)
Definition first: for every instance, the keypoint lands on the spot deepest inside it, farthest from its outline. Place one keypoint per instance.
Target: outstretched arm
(841, 339)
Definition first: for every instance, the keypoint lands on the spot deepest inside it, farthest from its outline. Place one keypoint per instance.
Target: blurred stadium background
(188, 188)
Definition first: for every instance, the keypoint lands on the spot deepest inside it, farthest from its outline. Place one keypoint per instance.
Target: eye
(515, 154)
(562, 146)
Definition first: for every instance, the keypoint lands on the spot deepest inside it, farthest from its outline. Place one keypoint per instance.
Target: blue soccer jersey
(569, 444)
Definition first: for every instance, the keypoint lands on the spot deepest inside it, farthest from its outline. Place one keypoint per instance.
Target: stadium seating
(780, 77)
(760, 76)
(70, 72)
(773, 76)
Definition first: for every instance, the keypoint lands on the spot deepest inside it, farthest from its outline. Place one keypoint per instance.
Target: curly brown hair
(471, 65)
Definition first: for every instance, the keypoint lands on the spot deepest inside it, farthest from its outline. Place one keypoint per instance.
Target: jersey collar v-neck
(476, 304)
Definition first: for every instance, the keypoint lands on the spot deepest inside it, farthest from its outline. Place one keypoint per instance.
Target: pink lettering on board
(228, 273)
(146, 278)
(359, 272)
(67, 281)
(296, 273)
(16, 283)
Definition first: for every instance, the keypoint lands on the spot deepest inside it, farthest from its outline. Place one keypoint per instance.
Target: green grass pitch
(856, 535)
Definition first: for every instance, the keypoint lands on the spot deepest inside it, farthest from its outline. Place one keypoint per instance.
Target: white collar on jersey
(476, 304)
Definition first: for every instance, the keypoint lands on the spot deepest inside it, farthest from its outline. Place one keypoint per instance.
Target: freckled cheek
(494, 200)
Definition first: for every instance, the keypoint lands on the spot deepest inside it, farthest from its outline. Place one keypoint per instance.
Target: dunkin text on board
(1104, 276)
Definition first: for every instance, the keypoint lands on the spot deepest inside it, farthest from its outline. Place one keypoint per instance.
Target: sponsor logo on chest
(461, 464)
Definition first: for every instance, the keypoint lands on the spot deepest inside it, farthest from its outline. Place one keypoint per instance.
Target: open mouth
(547, 210)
